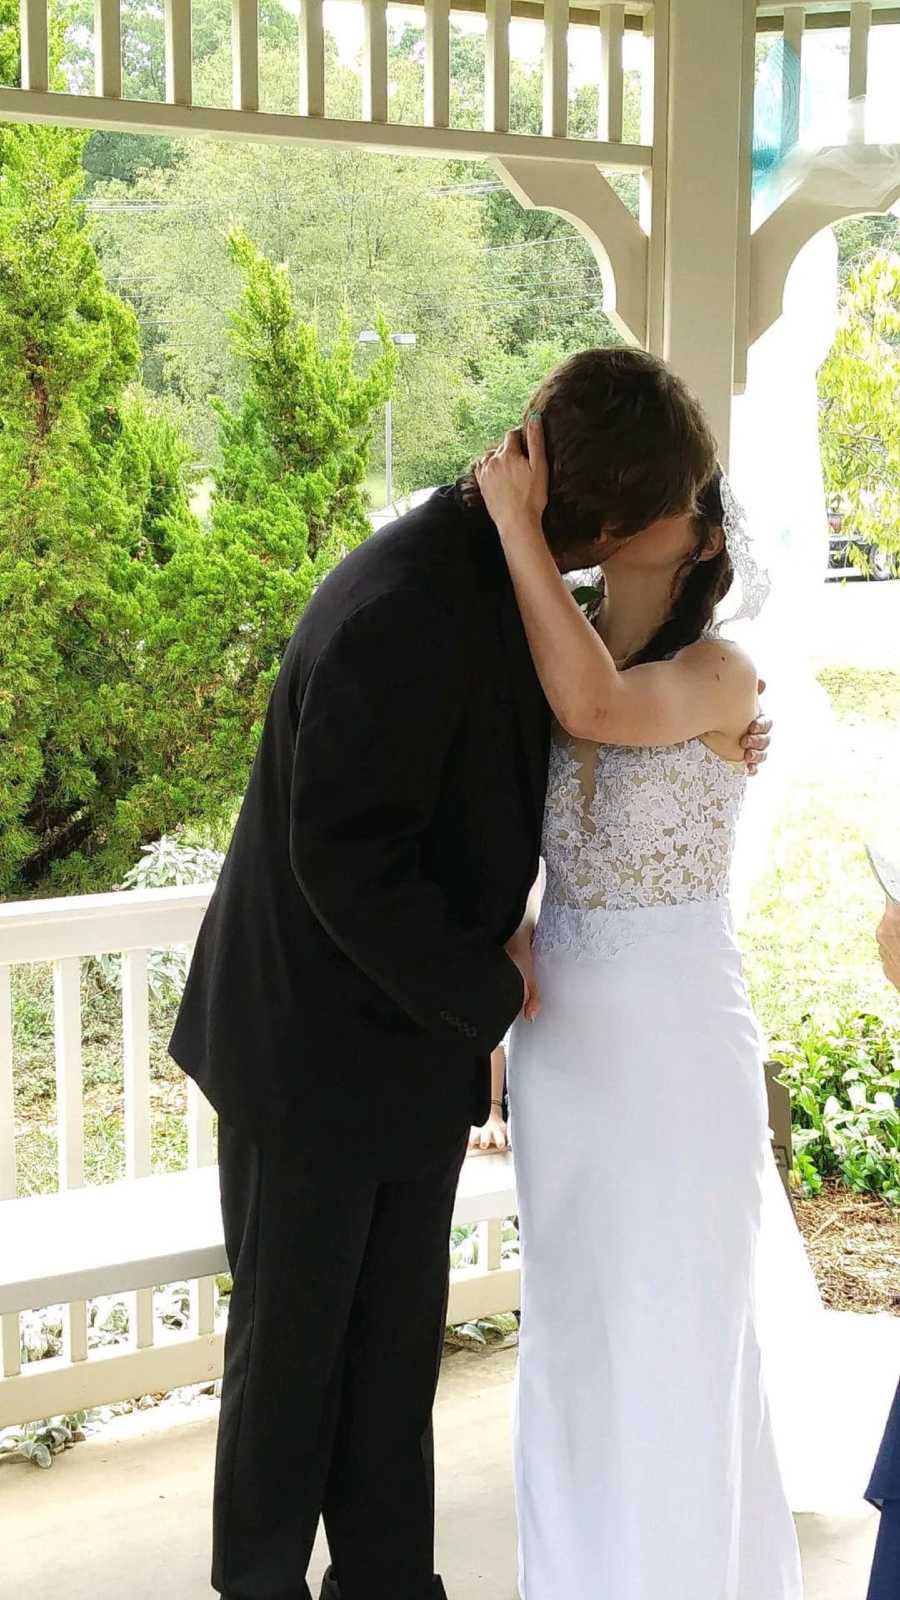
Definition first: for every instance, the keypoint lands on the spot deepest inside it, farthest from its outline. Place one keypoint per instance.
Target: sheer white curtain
(777, 474)
(826, 1439)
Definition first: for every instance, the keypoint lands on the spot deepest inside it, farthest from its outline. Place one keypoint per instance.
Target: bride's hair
(699, 585)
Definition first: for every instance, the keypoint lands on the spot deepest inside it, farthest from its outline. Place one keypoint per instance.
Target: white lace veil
(752, 577)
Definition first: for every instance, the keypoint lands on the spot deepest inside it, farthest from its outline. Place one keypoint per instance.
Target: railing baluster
(556, 68)
(374, 87)
(496, 66)
(70, 1118)
(437, 63)
(312, 60)
(490, 1245)
(9, 1324)
(136, 1042)
(858, 88)
(108, 49)
(245, 55)
(611, 95)
(179, 89)
(794, 27)
(34, 45)
(201, 1153)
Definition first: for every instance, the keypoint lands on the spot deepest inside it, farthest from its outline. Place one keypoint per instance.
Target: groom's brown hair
(627, 443)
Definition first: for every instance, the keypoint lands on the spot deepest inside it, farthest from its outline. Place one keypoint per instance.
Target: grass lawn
(808, 941)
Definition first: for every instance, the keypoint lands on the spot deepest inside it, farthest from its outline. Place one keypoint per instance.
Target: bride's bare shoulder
(722, 658)
(731, 673)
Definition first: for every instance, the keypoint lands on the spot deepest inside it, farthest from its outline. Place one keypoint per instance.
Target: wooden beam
(794, 28)
(819, 21)
(258, 127)
(496, 66)
(108, 49)
(745, 201)
(556, 69)
(244, 55)
(860, 28)
(375, 81)
(437, 63)
(34, 45)
(652, 201)
(706, 52)
(312, 59)
(611, 95)
(179, 71)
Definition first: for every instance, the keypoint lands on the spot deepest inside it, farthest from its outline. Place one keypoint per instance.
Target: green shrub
(844, 1086)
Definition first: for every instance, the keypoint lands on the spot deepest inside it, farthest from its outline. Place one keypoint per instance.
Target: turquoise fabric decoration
(776, 103)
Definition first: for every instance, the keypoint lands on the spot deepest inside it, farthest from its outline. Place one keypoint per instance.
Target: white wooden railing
(106, 107)
(63, 933)
(859, 18)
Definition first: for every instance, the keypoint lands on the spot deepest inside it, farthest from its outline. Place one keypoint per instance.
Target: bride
(645, 1463)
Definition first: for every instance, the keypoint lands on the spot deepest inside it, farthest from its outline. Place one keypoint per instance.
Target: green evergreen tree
(287, 503)
(137, 645)
(67, 349)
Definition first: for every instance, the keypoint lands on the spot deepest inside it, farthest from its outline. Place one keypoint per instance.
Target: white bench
(70, 1247)
(111, 1237)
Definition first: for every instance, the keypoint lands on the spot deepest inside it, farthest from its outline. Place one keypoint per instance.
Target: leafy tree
(859, 390)
(354, 229)
(489, 406)
(860, 238)
(137, 646)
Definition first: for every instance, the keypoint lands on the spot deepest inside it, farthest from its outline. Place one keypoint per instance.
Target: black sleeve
(377, 723)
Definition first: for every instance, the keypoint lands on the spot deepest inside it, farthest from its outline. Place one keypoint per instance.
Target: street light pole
(370, 336)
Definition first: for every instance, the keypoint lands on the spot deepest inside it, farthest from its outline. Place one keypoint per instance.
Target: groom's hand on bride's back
(521, 954)
(756, 741)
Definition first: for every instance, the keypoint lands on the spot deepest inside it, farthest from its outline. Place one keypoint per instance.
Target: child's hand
(493, 1136)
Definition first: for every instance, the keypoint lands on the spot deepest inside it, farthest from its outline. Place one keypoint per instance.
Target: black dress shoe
(330, 1590)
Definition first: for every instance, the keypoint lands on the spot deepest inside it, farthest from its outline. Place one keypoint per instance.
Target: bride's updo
(699, 585)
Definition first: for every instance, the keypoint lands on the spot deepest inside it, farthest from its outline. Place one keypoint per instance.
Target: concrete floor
(126, 1515)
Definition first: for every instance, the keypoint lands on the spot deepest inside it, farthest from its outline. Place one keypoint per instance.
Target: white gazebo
(699, 277)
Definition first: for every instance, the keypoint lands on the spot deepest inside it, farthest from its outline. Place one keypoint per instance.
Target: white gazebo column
(702, 199)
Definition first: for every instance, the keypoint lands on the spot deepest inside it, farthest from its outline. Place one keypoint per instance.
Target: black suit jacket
(349, 980)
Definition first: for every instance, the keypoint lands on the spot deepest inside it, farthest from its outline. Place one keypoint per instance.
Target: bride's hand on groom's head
(514, 480)
(756, 741)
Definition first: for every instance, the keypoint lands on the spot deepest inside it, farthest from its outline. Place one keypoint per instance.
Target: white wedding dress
(645, 1462)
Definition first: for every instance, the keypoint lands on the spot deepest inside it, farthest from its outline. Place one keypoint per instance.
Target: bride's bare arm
(709, 688)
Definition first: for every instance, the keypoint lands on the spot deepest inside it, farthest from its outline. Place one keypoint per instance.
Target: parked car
(852, 557)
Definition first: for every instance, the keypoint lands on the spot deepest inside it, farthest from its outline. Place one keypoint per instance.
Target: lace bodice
(628, 827)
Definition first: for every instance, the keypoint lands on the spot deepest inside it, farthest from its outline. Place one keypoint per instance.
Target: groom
(350, 978)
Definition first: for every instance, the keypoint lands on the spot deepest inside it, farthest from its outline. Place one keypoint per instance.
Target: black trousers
(334, 1341)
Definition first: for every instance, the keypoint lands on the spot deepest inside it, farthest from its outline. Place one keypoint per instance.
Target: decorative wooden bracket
(580, 193)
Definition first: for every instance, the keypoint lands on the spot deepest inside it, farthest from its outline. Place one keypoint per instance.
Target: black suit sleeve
(377, 723)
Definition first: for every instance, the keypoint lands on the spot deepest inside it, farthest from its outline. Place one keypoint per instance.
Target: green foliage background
(188, 429)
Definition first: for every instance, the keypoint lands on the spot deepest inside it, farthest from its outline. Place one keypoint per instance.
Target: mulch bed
(853, 1242)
